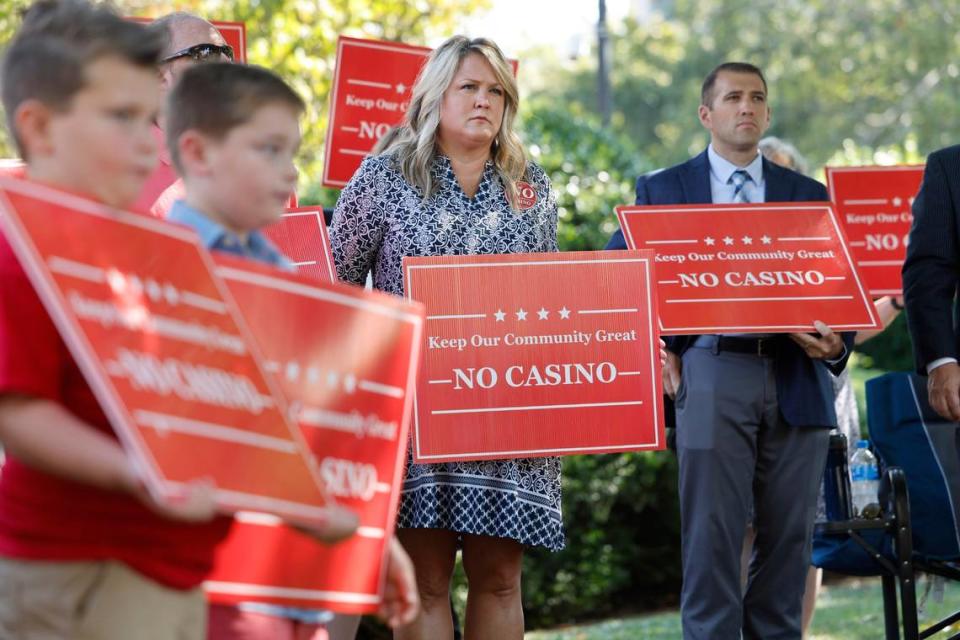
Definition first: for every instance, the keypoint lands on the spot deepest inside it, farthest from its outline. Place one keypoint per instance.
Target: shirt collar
(215, 236)
(722, 168)
(210, 232)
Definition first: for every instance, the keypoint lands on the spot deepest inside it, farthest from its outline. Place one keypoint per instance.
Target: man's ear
(194, 150)
(166, 77)
(704, 113)
(32, 121)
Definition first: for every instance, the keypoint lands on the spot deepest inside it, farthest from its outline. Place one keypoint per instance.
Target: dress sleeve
(357, 228)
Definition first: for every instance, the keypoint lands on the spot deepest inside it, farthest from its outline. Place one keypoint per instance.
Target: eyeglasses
(204, 52)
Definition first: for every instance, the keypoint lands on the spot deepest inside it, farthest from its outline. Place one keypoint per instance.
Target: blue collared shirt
(721, 169)
(216, 237)
(722, 190)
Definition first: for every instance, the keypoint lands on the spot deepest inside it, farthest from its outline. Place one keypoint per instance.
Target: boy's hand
(401, 601)
(335, 524)
(196, 502)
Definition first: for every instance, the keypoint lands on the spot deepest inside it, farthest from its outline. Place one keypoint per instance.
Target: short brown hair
(56, 42)
(217, 97)
(706, 91)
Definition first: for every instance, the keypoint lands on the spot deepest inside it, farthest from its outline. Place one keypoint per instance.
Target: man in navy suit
(753, 412)
(931, 274)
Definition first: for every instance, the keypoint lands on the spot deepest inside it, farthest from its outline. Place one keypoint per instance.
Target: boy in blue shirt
(233, 133)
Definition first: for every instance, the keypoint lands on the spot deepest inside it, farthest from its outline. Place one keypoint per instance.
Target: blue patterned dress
(378, 220)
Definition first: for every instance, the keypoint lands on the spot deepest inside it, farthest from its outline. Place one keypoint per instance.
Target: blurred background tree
(298, 40)
(871, 82)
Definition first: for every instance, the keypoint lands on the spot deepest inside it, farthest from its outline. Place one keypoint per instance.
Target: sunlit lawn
(849, 610)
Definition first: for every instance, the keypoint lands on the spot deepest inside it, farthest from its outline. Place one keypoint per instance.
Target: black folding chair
(917, 531)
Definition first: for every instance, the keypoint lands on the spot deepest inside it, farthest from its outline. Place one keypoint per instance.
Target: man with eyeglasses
(190, 40)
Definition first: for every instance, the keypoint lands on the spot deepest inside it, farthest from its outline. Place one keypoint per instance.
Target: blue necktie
(738, 179)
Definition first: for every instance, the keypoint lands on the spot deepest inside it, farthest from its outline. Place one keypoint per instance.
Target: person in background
(848, 418)
(446, 184)
(187, 40)
(931, 274)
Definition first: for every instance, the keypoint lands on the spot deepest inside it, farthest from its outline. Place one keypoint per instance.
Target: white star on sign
(401, 88)
(521, 315)
(747, 240)
(349, 383)
(154, 290)
(709, 241)
(564, 313)
(293, 371)
(499, 315)
(728, 241)
(897, 202)
(171, 294)
(765, 239)
(543, 313)
(332, 378)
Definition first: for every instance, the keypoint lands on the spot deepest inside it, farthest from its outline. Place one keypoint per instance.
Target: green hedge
(623, 534)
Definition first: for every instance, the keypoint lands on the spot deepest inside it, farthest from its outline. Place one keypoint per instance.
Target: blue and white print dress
(378, 220)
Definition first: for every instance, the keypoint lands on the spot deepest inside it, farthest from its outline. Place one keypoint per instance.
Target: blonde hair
(414, 143)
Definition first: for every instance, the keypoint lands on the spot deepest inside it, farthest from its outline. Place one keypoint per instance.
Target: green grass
(848, 610)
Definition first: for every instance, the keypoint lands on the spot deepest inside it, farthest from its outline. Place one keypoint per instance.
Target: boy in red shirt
(85, 551)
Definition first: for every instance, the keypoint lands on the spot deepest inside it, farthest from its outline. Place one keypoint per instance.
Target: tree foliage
(876, 73)
(298, 40)
(591, 169)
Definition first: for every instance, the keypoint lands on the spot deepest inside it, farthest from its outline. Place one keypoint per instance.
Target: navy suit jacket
(804, 385)
(932, 269)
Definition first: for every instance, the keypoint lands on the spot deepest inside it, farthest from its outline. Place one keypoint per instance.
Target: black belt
(763, 347)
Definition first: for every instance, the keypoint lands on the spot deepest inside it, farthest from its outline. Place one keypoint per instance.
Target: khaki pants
(93, 601)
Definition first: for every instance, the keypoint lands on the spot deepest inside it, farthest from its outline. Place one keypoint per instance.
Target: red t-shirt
(45, 517)
(162, 177)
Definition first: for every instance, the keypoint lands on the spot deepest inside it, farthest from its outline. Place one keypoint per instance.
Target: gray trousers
(736, 452)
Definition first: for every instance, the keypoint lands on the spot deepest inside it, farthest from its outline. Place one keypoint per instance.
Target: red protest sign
(873, 205)
(234, 34)
(161, 344)
(347, 360)
(535, 355)
(749, 268)
(301, 235)
(371, 90)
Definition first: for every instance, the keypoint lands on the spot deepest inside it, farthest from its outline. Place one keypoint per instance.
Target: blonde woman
(447, 183)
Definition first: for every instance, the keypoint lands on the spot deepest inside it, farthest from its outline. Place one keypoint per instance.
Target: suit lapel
(695, 180)
(776, 185)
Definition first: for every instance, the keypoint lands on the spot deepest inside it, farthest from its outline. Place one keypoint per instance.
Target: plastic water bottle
(864, 482)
